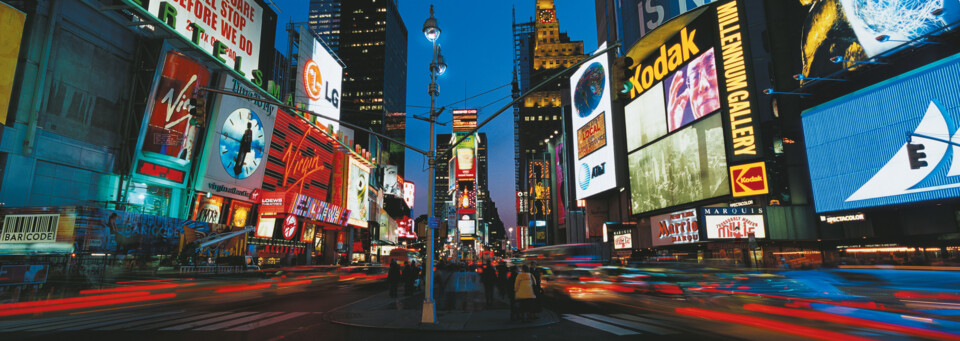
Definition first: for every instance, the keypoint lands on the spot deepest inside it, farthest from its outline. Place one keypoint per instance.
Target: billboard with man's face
(357, 201)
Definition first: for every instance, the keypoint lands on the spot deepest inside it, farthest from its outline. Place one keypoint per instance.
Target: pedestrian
(537, 289)
(514, 309)
(489, 279)
(394, 277)
(408, 278)
(523, 286)
(502, 280)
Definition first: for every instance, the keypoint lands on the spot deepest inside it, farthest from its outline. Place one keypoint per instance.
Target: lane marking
(600, 325)
(631, 324)
(208, 321)
(142, 322)
(232, 323)
(128, 319)
(171, 322)
(59, 323)
(266, 322)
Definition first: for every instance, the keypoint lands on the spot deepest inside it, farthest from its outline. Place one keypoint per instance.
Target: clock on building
(241, 143)
(545, 16)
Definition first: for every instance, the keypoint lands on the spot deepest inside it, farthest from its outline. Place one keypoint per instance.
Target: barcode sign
(29, 228)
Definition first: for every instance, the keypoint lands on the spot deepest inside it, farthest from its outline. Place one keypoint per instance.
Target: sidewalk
(382, 311)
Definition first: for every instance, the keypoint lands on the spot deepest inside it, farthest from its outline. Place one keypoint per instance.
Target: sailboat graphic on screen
(897, 178)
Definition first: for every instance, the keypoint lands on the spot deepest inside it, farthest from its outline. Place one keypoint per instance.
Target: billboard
(858, 30)
(236, 149)
(464, 120)
(466, 201)
(319, 78)
(734, 222)
(391, 185)
(11, 24)
(538, 175)
(467, 227)
(645, 118)
(357, 193)
(622, 239)
(466, 163)
(169, 134)
(675, 228)
(561, 193)
(19, 274)
(749, 179)
(653, 13)
(29, 228)
(591, 106)
(228, 30)
(409, 193)
(692, 91)
(686, 166)
(300, 158)
(859, 151)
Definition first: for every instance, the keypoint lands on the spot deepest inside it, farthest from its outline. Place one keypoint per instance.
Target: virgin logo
(178, 104)
(312, 80)
(289, 226)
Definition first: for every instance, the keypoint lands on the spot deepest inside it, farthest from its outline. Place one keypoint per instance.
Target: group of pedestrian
(407, 274)
(521, 288)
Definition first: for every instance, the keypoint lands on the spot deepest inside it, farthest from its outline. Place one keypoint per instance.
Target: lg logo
(588, 173)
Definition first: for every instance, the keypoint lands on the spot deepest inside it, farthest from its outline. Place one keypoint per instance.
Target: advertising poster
(675, 228)
(858, 163)
(595, 171)
(734, 222)
(309, 232)
(319, 79)
(357, 193)
(687, 166)
(300, 158)
(169, 134)
(646, 118)
(208, 209)
(125, 232)
(466, 201)
(749, 179)
(265, 227)
(622, 240)
(692, 91)
(391, 185)
(234, 23)
(29, 228)
(466, 158)
(561, 193)
(11, 24)
(239, 213)
(538, 173)
(236, 149)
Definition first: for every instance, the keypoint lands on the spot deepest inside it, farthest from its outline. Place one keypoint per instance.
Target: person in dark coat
(514, 309)
(408, 278)
(489, 279)
(394, 277)
(502, 280)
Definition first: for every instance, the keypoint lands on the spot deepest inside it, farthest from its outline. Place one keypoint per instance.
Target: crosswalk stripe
(60, 323)
(600, 325)
(208, 321)
(147, 321)
(11, 324)
(267, 322)
(668, 324)
(128, 319)
(185, 319)
(232, 323)
(631, 324)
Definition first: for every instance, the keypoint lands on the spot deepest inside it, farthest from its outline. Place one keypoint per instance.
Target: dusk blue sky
(477, 45)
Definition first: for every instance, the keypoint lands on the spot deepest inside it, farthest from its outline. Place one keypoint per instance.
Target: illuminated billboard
(391, 185)
(646, 118)
(538, 175)
(319, 79)
(464, 120)
(622, 239)
(859, 151)
(11, 24)
(595, 168)
(300, 158)
(653, 13)
(675, 228)
(692, 92)
(169, 134)
(467, 227)
(686, 166)
(409, 193)
(227, 30)
(357, 193)
(749, 179)
(236, 149)
(734, 222)
(861, 29)
(466, 162)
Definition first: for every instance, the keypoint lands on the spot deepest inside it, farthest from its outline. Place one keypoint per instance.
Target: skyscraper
(371, 39)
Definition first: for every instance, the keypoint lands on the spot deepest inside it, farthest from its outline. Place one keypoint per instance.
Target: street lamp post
(437, 67)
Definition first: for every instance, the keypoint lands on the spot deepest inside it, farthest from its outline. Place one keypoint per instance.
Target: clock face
(545, 16)
(241, 143)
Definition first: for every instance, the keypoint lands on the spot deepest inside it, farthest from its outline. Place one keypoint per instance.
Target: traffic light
(916, 156)
(620, 77)
(198, 110)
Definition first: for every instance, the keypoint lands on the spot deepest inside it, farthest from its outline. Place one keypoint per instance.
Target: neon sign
(155, 170)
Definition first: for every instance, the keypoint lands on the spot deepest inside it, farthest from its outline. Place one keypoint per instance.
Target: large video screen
(646, 118)
(857, 145)
(687, 166)
(692, 92)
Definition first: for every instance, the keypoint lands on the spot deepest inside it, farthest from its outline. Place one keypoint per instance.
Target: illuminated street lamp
(437, 67)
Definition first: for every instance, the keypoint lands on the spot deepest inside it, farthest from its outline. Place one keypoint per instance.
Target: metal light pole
(437, 67)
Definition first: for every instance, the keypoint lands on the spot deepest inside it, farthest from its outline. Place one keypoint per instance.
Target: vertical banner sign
(466, 159)
(738, 88)
(409, 191)
(319, 79)
(595, 171)
(749, 179)
(229, 30)
(561, 194)
(357, 201)
(169, 132)
(11, 23)
(236, 149)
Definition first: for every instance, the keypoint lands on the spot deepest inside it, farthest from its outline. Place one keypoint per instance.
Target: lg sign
(313, 85)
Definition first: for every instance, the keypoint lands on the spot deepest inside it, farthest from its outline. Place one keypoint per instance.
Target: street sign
(433, 223)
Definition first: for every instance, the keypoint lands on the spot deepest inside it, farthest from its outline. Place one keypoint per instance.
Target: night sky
(477, 45)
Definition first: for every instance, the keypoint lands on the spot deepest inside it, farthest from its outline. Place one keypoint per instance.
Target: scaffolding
(520, 32)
